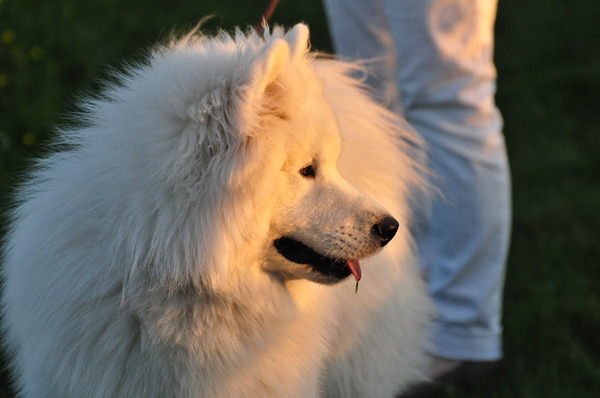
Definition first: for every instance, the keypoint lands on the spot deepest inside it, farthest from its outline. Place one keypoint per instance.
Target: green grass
(548, 60)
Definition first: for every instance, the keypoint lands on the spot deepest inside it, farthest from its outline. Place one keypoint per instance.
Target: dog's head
(239, 147)
(320, 225)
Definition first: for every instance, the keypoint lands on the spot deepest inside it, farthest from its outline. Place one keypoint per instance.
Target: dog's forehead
(328, 133)
(321, 135)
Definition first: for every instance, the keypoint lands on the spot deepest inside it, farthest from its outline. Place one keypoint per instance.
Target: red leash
(260, 27)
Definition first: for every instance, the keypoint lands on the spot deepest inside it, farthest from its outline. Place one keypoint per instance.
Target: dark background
(548, 59)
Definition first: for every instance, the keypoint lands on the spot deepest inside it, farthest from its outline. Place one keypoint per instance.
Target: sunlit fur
(139, 261)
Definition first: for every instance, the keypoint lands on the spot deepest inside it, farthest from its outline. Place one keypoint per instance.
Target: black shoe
(464, 371)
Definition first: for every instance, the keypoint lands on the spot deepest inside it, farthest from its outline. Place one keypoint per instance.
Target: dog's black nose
(385, 229)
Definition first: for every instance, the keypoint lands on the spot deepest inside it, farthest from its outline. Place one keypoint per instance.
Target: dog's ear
(297, 38)
(255, 82)
(278, 52)
(270, 62)
(261, 89)
(244, 96)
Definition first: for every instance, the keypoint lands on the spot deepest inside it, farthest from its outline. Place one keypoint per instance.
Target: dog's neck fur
(252, 323)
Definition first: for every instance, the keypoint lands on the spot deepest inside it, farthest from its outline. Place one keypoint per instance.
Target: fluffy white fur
(140, 260)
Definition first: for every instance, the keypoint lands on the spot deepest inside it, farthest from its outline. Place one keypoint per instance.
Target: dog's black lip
(297, 252)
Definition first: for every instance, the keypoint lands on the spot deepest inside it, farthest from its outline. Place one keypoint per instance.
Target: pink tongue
(354, 267)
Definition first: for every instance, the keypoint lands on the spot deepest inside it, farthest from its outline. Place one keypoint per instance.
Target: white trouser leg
(441, 55)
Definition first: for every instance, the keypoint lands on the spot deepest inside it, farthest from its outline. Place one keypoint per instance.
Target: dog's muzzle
(330, 267)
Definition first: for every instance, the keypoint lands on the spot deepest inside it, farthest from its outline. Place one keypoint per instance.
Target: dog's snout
(385, 229)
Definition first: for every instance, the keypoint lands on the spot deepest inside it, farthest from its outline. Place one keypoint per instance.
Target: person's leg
(447, 80)
(443, 52)
(359, 30)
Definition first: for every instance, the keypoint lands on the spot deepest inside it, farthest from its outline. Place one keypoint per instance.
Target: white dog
(195, 238)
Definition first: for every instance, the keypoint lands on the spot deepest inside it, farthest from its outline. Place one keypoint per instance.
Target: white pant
(434, 64)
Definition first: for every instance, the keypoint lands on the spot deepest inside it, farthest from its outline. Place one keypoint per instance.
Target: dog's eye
(308, 171)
